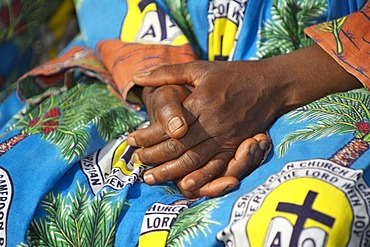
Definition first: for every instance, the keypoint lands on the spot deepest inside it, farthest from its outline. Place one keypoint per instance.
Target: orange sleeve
(123, 59)
(347, 40)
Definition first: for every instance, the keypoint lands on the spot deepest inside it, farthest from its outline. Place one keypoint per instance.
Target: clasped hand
(197, 138)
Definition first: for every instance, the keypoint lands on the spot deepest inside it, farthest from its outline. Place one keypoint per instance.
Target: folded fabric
(34, 85)
(81, 190)
(122, 59)
(350, 35)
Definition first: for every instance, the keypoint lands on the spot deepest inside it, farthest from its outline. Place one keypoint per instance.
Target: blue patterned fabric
(67, 178)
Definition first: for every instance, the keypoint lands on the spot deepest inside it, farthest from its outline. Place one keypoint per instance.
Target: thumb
(180, 74)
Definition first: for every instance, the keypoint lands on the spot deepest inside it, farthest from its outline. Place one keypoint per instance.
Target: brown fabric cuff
(35, 85)
(123, 59)
(114, 65)
(347, 40)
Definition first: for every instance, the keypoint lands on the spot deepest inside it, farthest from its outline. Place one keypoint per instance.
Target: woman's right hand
(163, 105)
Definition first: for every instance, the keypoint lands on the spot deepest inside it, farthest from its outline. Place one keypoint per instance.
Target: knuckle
(173, 148)
(217, 169)
(200, 65)
(206, 98)
(205, 176)
(170, 109)
(142, 156)
(146, 142)
(166, 69)
(192, 160)
(163, 68)
(213, 169)
(164, 173)
(157, 96)
(202, 101)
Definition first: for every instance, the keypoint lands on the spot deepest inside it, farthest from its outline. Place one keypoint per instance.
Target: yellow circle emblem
(299, 212)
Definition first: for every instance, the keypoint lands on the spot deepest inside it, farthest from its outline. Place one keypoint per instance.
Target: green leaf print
(334, 27)
(64, 119)
(284, 32)
(346, 112)
(191, 222)
(179, 12)
(171, 190)
(5, 92)
(78, 4)
(22, 19)
(76, 220)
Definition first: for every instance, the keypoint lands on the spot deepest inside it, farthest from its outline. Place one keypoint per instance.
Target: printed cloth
(347, 40)
(31, 32)
(66, 174)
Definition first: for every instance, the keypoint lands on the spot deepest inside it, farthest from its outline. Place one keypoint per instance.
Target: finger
(172, 148)
(168, 110)
(255, 163)
(215, 188)
(264, 143)
(164, 107)
(190, 161)
(210, 171)
(147, 137)
(147, 100)
(248, 156)
(263, 140)
(243, 159)
(180, 74)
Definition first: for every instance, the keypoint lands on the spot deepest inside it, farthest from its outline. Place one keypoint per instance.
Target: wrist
(278, 85)
(304, 76)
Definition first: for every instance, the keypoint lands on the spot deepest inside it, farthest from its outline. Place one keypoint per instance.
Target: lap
(301, 181)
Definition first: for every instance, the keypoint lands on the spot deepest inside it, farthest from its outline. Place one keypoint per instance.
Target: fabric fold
(35, 85)
(347, 40)
(122, 59)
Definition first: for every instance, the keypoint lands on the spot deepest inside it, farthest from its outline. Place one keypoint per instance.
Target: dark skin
(231, 102)
(162, 103)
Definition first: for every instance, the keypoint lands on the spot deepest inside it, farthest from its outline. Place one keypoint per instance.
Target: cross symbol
(303, 213)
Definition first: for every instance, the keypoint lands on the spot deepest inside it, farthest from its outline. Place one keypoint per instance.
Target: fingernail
(229, 188)
(142, 74)
(174, 124)
(264, 145)
(131, 141)
(136, 158)
(189, 184)
(149, 178)
(253, 149)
